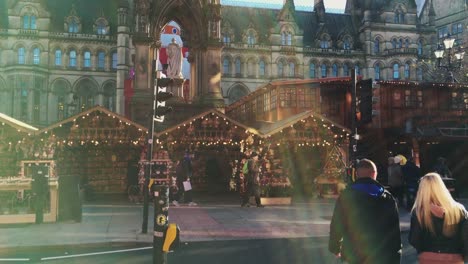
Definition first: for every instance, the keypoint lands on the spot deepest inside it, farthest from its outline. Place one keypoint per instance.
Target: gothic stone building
(59, 58)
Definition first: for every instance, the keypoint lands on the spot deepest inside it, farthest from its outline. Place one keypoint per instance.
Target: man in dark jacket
(253, 178)
(365, 227)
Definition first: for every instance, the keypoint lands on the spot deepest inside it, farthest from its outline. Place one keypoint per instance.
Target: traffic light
(161, 96)
(365, 100)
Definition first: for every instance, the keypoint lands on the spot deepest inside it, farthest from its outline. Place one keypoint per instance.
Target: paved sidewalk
(121, 223)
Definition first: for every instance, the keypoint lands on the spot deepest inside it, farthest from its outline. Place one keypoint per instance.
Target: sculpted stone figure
(174, 59)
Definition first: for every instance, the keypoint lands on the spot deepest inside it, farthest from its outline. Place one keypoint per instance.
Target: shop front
(303, 154)
(216, 145)
(93, 151)
(28, 183)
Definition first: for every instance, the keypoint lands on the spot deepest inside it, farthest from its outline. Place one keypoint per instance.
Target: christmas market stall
(308, 150)
(216, 144)
(94, 150)
(28, 183)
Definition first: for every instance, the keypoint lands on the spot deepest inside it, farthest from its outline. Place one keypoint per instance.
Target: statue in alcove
(174, 58)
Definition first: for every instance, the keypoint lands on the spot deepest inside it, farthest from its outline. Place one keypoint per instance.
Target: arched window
(394, 43)
(376, 46)
(286, 38)
(334, 70)
(251, 38)
(419, 73)
(26, 23)
(402, 17)
(33, 22)
(36, 56)
(226, 66)
(400, 43)
(58, 57)
(101, 60)
(72, 56)
(238, 67)
(407, 71)
(73, 26)
(280, 69)
(407, 43)
(226, 38)
(377, 72)
(114, 60)
(396, 18)
(312, 70)
(345, 70)
(21, 56)
(324, 44)
(324, 70)
(396, 71)
(101, 27)
(109, 97)
(346, 44)
(358, 71)
(292, 69)
(261, 68)
(420, 48)
(87, 59)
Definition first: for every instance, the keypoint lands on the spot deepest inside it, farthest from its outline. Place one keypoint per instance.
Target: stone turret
(319, 8)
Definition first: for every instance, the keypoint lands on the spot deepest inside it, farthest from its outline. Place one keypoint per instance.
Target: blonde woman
(438, 229)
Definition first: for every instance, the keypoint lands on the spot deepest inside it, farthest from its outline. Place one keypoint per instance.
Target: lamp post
(453, 57)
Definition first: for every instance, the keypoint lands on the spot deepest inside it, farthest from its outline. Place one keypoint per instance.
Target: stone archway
(200, 21)
(85, 92)
(237, 91)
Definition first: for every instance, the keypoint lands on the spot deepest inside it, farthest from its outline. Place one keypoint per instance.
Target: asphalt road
(268, 251)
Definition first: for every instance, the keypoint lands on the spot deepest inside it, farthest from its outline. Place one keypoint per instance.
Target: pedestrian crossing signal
(161, 96)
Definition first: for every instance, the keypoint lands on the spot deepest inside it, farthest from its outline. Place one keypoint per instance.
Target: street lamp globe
(451, 55)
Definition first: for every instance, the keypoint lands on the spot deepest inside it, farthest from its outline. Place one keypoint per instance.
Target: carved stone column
(142, 84)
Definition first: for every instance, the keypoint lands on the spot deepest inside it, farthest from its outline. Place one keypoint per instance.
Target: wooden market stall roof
(206, 113)
(269, 129)
(264, 129)
(91, 110)
(19, 125)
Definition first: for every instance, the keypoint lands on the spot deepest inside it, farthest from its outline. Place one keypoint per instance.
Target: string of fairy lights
(99, 128)
(325, 134)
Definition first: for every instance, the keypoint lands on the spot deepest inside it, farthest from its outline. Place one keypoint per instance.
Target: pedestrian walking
(253, 180)
(411, 174)
(242, 180)
(365, 227)
(438, 227)
(183, 174)
(395, 179)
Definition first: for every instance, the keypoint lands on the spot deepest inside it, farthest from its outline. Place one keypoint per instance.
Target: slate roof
(87, 10)
(265, 19)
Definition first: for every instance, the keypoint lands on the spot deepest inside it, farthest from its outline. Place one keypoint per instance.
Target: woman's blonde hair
(432, 190)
